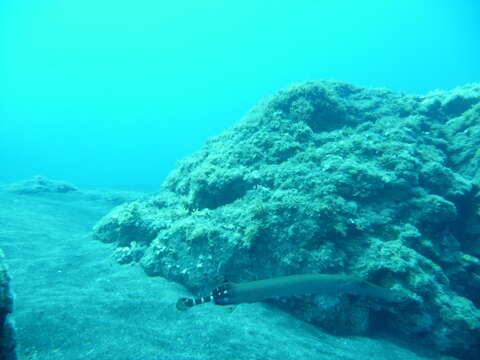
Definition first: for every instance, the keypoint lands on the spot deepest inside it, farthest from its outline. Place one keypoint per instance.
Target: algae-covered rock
(7, 332)
(327, 177)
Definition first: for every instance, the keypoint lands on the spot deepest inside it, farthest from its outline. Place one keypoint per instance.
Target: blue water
(112, 93)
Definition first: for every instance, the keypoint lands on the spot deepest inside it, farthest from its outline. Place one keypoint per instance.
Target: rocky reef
(7, 332)
(327, 177)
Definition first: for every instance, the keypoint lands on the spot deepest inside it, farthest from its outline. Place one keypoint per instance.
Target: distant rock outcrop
(7, 332)
(327, 177)
(41, 185)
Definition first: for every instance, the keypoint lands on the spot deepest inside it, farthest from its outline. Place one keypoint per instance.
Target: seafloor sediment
(73, 301)
(327, 177)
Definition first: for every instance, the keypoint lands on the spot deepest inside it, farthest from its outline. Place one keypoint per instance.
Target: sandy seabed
(73, 301)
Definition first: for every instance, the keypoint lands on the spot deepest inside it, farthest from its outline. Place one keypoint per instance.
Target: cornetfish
(320, 284)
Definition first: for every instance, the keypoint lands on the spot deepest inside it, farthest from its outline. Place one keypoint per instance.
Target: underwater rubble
(328, 177)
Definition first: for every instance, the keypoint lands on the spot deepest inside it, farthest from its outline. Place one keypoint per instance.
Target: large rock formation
(326, 177)
(7, 333)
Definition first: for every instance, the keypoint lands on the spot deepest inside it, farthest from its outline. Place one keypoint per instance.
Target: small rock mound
(41, 185)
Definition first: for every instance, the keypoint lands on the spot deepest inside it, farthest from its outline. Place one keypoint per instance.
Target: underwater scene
(262, 180)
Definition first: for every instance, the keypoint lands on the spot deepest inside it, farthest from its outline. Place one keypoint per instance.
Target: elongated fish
(320, 284)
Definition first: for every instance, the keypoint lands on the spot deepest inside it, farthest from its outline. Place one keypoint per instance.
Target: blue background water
(112, 93)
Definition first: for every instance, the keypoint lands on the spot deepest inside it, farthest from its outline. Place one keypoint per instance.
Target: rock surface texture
(327, 177)
(7, 333)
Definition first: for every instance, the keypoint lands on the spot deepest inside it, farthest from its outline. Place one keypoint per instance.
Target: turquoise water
(114, 93)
